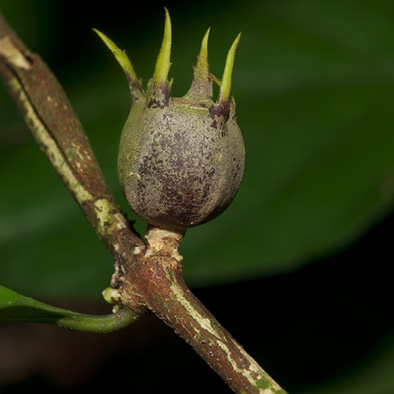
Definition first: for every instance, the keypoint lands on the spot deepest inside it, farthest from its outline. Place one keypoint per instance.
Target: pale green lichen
(103, 215)
(107, 220)
(48, 144)
(176, 255)
(255, 375)
(202, 321)
(266, 386)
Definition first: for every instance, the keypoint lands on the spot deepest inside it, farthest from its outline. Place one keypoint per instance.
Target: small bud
(181, 159)
(110, 295)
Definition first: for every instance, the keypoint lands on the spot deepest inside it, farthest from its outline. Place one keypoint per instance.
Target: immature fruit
(181, 159)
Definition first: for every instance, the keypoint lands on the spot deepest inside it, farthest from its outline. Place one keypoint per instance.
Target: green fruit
(181, 159)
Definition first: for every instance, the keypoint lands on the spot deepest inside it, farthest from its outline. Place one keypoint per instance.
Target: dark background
(312, 330)
(312, 301)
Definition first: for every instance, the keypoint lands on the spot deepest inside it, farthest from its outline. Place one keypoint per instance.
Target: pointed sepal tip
(201, 88)
(163, 63)
(225, 86)
(202, 67)
(120, 56)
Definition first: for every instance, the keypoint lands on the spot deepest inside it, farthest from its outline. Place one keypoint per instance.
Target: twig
(59, 133)
(149, 276)
(155, 282)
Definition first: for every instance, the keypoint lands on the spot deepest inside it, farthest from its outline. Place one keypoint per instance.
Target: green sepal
(225, 86)
(15, 307)
(120, 55)
(201, 88)
(124, 61)
(163, 62)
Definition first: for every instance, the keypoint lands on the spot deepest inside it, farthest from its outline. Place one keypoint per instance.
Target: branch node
(163, 242)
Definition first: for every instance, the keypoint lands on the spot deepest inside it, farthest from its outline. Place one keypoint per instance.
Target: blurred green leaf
(313, 82)
(314, 88)
(15, 307)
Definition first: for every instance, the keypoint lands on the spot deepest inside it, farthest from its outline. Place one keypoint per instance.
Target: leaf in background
(314, 88)
(313, 82)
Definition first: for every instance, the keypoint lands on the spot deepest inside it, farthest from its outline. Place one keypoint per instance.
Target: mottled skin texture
(180, 160)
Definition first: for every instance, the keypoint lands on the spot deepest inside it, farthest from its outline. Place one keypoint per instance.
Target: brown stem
(155, 282)
(152, 273)
(59, 133)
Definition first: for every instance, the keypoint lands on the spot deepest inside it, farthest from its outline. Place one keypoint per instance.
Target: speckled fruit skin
(180, 161)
